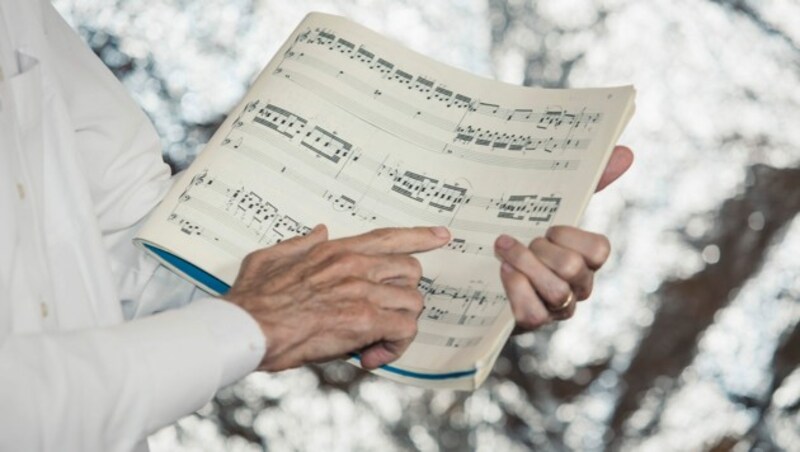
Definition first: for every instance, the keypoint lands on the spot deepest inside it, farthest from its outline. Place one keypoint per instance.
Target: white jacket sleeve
(119, 152)
(107, 389)
(120, 155)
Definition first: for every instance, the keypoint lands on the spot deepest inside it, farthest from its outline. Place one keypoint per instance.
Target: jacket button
(45, 311)
(21, 191)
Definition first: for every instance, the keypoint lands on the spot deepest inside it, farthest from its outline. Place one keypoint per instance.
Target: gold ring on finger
(565, 305)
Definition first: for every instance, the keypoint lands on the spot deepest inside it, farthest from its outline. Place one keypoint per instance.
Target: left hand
(544, 280)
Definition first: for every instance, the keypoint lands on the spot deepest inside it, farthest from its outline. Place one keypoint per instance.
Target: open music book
(350, 129)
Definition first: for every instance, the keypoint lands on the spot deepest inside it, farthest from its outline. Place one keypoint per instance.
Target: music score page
(350, 129)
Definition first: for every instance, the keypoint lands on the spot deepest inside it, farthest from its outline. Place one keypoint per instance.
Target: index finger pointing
(396, 240)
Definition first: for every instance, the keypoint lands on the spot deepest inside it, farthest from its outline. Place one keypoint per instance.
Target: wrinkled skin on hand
(318, 299)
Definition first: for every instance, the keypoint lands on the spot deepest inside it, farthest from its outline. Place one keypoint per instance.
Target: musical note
(528, 207)
(461, 101)
(442, 94)
(423, 85)
(461, 131)
(192, 228)
(460, 305)
(464, 247)
(364, 56)
(344, 46)
(347, 129)
(326, 144)
(444, 196)
(448, 197)
(237, 208)
(403, 78)
(344, 203)
(552, 117)
(383, 67)
(280, 120)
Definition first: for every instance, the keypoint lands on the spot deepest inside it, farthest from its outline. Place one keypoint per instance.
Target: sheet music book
(348, 128)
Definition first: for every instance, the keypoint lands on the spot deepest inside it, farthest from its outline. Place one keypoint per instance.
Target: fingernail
(441, 232)
(504, 242)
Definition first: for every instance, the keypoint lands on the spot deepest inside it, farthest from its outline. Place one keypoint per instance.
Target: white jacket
(80, 167)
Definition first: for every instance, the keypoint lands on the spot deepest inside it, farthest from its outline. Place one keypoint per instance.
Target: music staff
(490, 141)
(443, 196)
(462, 246)
(440, 315)
(280, 120)
(326, 144)
(552, 117)
(529, 207)
(515, 162)
(191, 228)
(424, 337)
(460, 305)
(478, 136)
(397, 103)
(344, 203)
(240, 209)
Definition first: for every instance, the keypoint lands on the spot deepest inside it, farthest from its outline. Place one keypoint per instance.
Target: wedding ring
(565, 305)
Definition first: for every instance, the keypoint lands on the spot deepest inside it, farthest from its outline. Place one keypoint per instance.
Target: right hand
(318, 299)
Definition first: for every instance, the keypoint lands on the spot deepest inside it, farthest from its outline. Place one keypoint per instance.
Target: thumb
(382, 353)
(621, 159)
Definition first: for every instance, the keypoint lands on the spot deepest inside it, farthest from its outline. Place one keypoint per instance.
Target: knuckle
(348, 262)
(415, 268)
(517, 253)
(538, 243)
(322, 251)
(255, 259)
(352, 287)
(585, 290)
(526, 308)
(418, 301)
(412, 300)
(601, 250)
(318, 276)
(556, 233)
(557, 291)
(363, 320)
(571, 265)
(384, 233)
(249, 259)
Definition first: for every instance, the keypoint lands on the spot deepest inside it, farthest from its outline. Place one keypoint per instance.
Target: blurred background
(691, 339)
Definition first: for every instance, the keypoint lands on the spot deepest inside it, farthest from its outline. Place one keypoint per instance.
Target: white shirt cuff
(241, 341)
(192, 352)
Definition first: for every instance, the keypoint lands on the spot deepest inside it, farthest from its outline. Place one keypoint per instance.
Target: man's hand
(318, 299)
(544, 280)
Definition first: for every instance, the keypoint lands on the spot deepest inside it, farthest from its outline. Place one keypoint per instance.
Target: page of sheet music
(347, 128)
